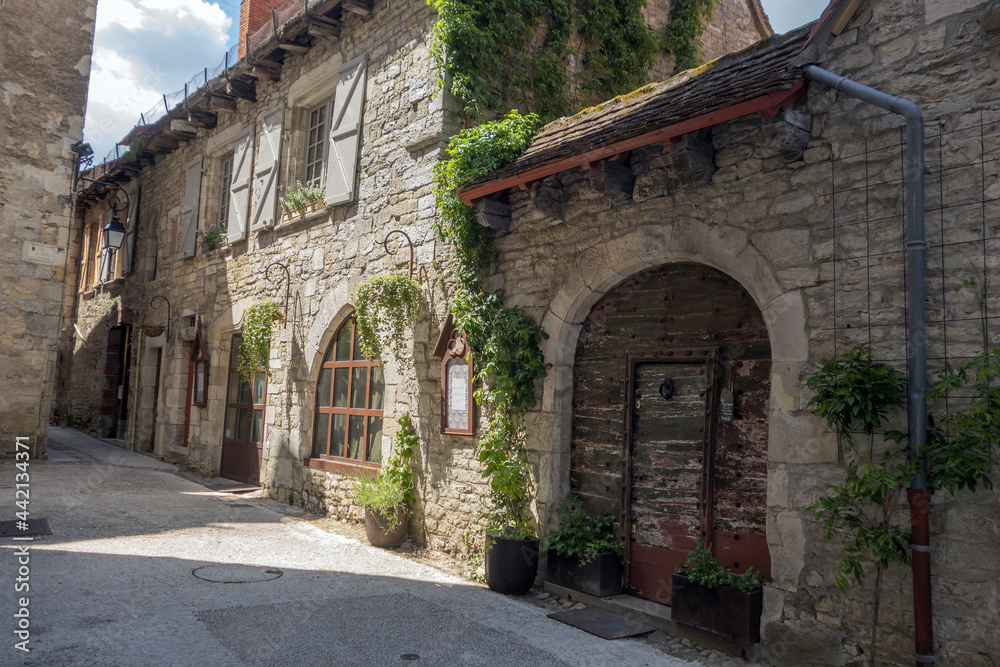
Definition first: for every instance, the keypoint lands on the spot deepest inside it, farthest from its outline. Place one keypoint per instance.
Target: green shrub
(582, 535)
(701, 567)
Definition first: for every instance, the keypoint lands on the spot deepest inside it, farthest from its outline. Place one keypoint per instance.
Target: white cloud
(143, 49)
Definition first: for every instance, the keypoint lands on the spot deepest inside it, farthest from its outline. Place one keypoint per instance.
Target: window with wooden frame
(317, 140)
(458, 405)
(198, 372)
(225, 177)
(347, 430)
(245, 401)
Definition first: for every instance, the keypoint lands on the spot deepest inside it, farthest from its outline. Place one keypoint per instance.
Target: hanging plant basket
(152, 332)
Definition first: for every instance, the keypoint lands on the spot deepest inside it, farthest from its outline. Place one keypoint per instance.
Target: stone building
(44, 73)
(750, 224)
(149, 362)
(692, 268)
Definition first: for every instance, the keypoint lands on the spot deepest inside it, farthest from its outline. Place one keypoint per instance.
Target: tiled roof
(757, 71)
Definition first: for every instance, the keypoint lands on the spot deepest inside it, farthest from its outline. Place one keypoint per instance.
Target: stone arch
(729, 249)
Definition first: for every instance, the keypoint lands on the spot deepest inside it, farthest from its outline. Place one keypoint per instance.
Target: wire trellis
(862, 251)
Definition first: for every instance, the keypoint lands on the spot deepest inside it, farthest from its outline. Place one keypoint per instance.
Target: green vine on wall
(506, 340)
(682, 36)
(505, 53)
(385, 307)
(255, 350)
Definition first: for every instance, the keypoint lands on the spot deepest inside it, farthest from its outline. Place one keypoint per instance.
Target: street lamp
(114, 233)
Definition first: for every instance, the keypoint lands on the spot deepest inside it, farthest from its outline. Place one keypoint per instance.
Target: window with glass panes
(225, 180)
(316, 141)
(349, 398)
(244, 401)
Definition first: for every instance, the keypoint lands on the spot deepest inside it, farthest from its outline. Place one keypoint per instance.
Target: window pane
(378, 388)
(234, 388)
(321, 434)
(358, 356)
(340, 388)
(344, 342)
(258, 426)
(355, 438)
(242, 423)
(231, 423)
(359, 387)
(337, 437)
(374, 440)
(244, 393)
(258, 388)
(323, 388)
(329, 355)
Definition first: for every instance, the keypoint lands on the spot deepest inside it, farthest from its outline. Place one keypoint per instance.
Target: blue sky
(144, 48)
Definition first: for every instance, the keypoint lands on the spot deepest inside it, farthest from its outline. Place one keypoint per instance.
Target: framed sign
(458, 405)
(198, 371)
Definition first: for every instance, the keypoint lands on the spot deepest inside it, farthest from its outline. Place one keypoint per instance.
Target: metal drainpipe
(918, 496)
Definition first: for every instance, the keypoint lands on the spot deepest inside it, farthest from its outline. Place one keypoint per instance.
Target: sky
(145, 48)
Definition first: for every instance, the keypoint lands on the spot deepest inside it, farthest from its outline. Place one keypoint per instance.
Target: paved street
(144, 568)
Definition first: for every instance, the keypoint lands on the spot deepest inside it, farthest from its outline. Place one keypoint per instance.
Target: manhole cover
(236, 574)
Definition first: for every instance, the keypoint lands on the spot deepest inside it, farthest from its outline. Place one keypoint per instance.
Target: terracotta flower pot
(377, 528)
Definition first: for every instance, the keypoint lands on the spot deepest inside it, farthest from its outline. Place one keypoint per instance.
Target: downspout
(918, 495)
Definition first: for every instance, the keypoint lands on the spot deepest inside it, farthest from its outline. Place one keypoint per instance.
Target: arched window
(349, 398)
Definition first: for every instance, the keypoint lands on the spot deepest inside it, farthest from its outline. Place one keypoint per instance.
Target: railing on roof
(289, 10)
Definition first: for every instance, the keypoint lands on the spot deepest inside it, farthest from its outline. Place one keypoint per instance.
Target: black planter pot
(376, 528)
(511, 565)
(723, 611)
(601, 576)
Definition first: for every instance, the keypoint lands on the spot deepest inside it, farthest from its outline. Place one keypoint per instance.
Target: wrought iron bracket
(385, 245)
(114, 199)
(288, 285)
(167, 301)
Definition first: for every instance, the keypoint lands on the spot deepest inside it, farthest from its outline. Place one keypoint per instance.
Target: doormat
(604, 624)
(36, 527)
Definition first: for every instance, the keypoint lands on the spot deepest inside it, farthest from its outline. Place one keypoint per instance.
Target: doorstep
(655, 614)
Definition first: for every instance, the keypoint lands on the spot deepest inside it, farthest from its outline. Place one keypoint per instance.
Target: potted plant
(212, 237)
(710, 596)
(302, 200)
(584, 554)
(387, 495)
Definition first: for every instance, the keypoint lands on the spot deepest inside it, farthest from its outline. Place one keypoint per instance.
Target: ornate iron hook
(288, 285)
(385, 244)
(167, 301)
(114, 200)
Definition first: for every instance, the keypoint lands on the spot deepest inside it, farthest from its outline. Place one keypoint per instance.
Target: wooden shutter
(239, 187)
(265, 187)
(131, 223)
(189, 209)
(345, 131)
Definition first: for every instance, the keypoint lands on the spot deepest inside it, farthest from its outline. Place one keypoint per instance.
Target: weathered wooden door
(243, 435)
(665, 480)
(114, 395)
(691, 466)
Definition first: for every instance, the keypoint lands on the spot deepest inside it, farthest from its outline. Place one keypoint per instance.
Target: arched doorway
(670, 400)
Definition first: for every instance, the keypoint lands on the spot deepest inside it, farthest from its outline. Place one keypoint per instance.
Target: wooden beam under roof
(363, 7)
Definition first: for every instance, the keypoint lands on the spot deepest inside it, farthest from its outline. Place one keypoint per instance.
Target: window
(317, 139)
(225, 176)
(349, 397)
(244, 401)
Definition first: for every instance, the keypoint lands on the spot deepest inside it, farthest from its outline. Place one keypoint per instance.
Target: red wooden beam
(765, 104)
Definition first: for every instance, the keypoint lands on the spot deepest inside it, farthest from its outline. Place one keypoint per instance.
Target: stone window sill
(345, 466)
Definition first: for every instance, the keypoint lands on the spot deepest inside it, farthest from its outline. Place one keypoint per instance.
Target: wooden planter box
(723, 611)
(601, 576)
(313, 209)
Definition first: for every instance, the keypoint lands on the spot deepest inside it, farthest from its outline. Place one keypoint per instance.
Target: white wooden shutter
(102, 276)
(239, 187)
(131, 223)
(345, 131)
(189, 209)
(265, 187)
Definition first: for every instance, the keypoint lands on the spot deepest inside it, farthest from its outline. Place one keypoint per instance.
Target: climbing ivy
(386, 306)
(500, 54)
(255, 350)
(682, 36)
(505, 339)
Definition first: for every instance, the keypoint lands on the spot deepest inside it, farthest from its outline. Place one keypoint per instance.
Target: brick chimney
(254, 14)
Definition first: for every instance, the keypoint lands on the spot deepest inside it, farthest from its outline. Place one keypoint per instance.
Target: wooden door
(243, 434)
(666, 473)
(114, 394)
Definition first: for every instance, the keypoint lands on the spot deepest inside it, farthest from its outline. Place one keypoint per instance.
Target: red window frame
(330, 457)
(233, 402)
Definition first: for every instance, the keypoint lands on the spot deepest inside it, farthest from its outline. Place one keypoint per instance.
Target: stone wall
(45, 68)
(762, 211)
(327, 254)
